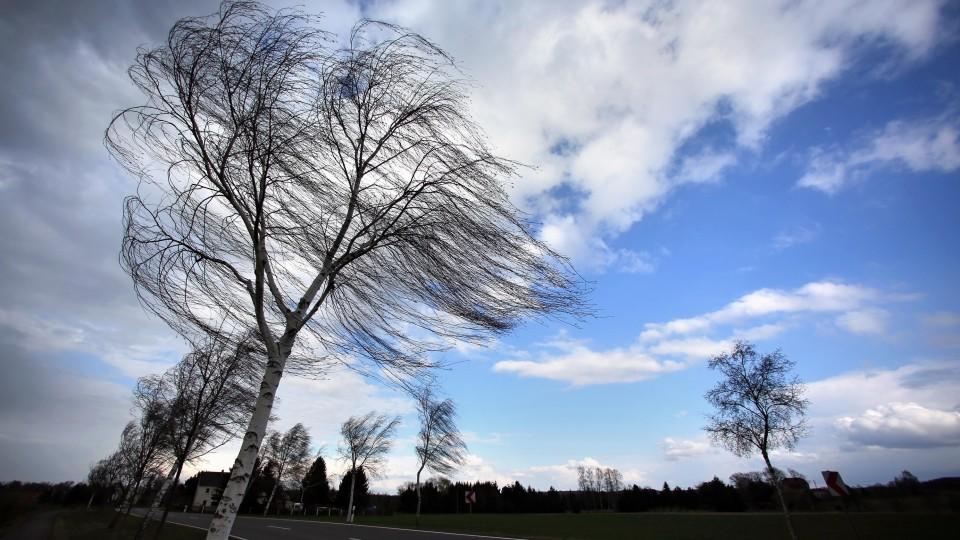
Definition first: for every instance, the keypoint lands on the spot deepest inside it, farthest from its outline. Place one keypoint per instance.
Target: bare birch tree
(144, 443)
(759, 406)
(440, 447)
(366, 442)
(334, 199)
(209, 396)
(289, 453)
(104, 476)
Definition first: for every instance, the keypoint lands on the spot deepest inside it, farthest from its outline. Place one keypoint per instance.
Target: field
(82, 525)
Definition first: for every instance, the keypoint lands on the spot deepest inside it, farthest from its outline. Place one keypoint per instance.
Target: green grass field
(80, 524)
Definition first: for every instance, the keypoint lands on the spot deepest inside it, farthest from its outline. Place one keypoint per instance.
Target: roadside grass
(683, 526)
(82, 524)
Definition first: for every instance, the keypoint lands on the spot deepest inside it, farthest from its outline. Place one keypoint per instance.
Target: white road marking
(275, 527)
(201, 528)
(353, 539)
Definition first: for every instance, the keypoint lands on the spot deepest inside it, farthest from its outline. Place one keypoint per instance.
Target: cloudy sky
(784, 172)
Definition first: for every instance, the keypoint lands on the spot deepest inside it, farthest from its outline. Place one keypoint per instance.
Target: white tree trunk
(273, 491)
(226, 512)
(353, 482)
(783, 502)
(158, 500)
(418, 495)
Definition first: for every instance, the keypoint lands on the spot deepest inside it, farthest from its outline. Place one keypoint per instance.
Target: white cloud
(761, 332)
(706, 167)
(864, 321)
(678, 344)
(934, 385)
(903, 425)
(921, 145)
(695, 348)
(820, 296)
(567, 85)
(570, 236)
(796, 236)
(677, 449)
(583, 366)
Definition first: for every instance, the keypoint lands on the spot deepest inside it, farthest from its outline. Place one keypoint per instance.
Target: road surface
(258, 528)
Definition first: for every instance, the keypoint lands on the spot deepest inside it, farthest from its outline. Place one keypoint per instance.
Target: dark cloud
(903, 425)
(54, 419)
(69, 317)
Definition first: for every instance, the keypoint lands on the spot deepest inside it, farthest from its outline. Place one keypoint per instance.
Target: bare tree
(144, 443)
(141, 453)
(440, 447)
(759, 406)
(343, 196)
(366, 442)
(104, 476)
(289, 453)
(209, 396)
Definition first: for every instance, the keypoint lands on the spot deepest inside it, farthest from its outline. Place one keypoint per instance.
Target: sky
(782, 172)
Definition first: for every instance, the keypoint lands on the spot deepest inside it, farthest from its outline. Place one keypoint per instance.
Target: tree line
(202, 402)
(746, 491)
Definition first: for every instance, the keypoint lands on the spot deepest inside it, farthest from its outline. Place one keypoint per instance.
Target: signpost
(835, 484)
(470, 497)
(837, 488)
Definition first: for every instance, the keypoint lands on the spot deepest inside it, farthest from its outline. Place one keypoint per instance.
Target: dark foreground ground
(83, 525)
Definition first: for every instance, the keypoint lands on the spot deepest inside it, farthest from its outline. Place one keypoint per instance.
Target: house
(210, 487)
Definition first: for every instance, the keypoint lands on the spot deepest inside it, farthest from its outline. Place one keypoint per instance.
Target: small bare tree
(209, 396)
(366, 442)
(289, 453)
(144, 443)
(759, 406)
(440, 447)
(104, 477)
(343, 194)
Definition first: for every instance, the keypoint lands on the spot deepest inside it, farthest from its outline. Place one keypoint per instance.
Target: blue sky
(783, 173)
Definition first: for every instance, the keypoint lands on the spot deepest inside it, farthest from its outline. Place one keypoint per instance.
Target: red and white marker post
(837, 488)
(470, 497)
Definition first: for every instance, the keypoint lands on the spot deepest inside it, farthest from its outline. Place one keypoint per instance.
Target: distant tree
(366, 441)
(439, 447)
(354, 490)
(754, 489)
(144, 443)
(315, 488)
(289, 453)
(264, 478)
(907, 482)
(758, 406)
(103, 477)
(718, 496)
(343, 192)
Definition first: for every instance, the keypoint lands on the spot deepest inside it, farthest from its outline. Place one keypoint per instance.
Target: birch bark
(229, 505)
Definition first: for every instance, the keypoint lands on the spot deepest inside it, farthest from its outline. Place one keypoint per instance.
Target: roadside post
(470, 497)
(837, 488)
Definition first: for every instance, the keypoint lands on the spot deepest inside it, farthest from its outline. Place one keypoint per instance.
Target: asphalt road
(256, 528)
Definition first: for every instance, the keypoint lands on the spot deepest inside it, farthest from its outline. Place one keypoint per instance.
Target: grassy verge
(81, 524)
(685, 526)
